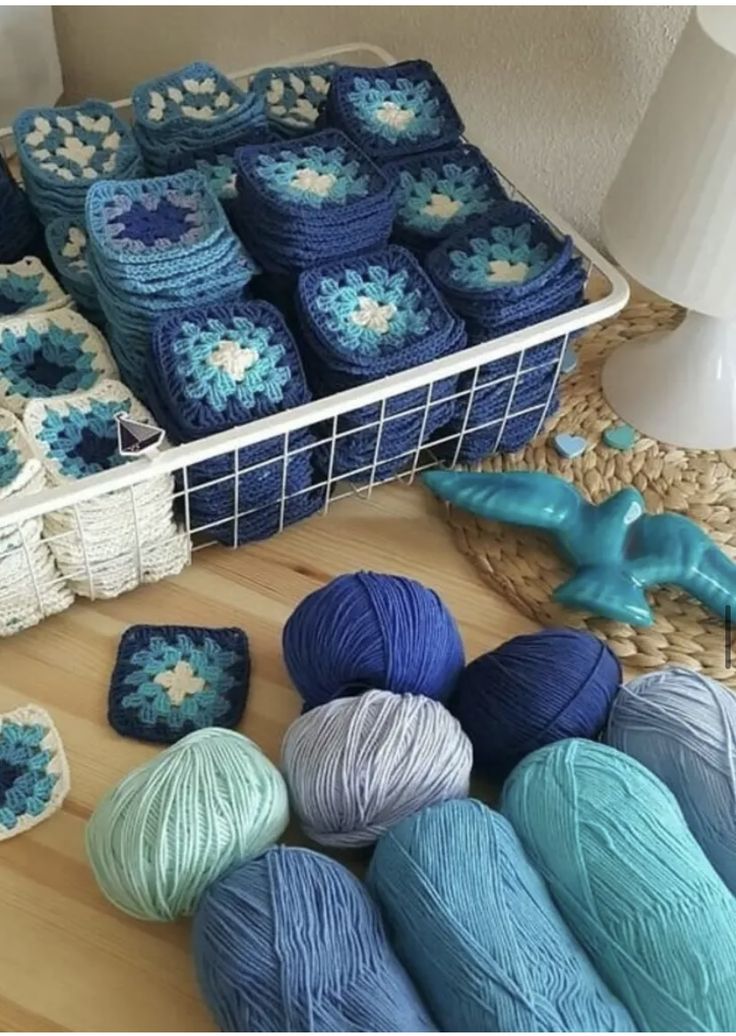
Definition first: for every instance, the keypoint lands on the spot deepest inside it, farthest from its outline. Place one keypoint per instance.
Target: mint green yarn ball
(632, 883)
(168, 829)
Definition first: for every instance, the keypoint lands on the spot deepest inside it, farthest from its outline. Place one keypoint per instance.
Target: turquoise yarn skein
(682, 726)
(477, 929)
(291, 942)
(366, 630)
(355, 766)
(631, 881)
(169, 828)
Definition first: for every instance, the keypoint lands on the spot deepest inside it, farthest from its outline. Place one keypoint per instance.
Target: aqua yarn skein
(533, 690)
(169, 828)
(682, 726)
(477, 930)
(355, 766)
(364, 630)
(291, 942)
(631, 881)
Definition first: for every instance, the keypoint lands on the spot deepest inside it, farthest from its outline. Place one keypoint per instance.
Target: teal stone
(569, 359)
(620, 437)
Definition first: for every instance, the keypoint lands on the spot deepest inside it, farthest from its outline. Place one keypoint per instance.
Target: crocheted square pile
(34, 774)
(63, 151)
(194, 112)
(66, 240)
(50, 354)
(27, 287)
(293, 96)
(20, 231)
(171, 680)
(440, 192)
(311, 200)
(399, 110)
(364, 319)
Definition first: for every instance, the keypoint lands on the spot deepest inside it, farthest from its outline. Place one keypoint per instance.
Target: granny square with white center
(171, 680)
(34, 775)
(198, 92)
(27, 286)
(293, 96)
(398, 110)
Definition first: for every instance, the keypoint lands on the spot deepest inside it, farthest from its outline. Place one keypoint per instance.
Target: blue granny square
(171, 680)
(34, 775)
(27, 286)
(399, 110)
(293, 96)
(439, 192)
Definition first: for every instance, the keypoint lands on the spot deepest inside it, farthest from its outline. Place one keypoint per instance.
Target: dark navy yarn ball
(532, 690)
(367, 630)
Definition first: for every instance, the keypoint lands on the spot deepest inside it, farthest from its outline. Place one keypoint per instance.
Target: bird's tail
(605, 591)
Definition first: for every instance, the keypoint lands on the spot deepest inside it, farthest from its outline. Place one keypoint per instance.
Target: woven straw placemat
(523, 566)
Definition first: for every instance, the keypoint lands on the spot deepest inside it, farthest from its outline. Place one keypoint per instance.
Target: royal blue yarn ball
(292, 942)
(367, 630)
(532, 690)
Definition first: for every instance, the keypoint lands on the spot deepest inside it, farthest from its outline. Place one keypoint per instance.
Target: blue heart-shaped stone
(569, 445)
(619, 437)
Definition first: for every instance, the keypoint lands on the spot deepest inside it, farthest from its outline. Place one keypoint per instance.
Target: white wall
(554, 93)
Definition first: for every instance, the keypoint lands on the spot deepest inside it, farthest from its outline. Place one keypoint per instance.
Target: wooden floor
(68, 960)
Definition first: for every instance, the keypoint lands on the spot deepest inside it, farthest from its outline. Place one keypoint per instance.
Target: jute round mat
(523, 566)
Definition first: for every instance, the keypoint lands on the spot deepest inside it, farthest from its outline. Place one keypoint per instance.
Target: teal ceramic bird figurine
(616, 549)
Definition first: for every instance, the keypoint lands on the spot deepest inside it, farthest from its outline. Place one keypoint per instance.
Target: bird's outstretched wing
(530, 498)
(670, 548)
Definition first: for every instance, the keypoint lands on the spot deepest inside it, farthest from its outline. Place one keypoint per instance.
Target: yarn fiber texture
(682, 726)
(532, 690)
(478, 931)
(291, 942)
(365, 630)
(632, 883)
(356, 766)
(173, 825)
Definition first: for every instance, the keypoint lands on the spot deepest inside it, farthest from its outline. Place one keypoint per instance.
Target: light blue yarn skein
(631, 881)
(291, 942)
(477, 929)
(682, 726)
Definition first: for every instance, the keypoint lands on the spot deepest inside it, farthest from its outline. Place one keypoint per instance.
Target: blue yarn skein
(365, 630)
(632, 883)
(682, 726)
(477, 929)
(532, 690)
(291, 942)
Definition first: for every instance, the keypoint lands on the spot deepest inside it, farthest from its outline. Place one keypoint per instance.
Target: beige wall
(553, 93)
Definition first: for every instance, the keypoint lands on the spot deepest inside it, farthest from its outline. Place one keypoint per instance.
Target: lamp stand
(678, 387)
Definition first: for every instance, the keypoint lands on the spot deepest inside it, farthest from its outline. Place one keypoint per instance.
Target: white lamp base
(678, 386)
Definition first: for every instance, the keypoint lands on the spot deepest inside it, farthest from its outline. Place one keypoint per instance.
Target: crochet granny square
(171, 680)
(20, 231)
(66, 240)
(50, 354)
(20, 471)
(399, 110)
(293, 96)
(28, 287)
(439, 192)
(34, 774)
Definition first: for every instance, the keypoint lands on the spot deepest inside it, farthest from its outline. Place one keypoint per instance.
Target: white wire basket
(62, 520)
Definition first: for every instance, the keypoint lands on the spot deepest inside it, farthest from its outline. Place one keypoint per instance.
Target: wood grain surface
(68, 959)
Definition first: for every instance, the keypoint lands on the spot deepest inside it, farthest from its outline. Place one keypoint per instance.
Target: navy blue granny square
(399, 110)
(171, 680)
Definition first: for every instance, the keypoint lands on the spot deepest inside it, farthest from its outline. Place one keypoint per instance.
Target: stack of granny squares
(218, 366)
(293, 96)
(31, 586)
(27, 287)
(310, 201)
(63, 151)
(113, 542)
(194, 113)
(66, 240)
(500, 275)
(363, 319)
(20, 231)
(154, 246)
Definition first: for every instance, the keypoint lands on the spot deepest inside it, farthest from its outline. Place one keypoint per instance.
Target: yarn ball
(682, 726)
(291, 942)
(367, 630)
(356, 766)
(478, 932)
(169, 828)
(632, 883)
(532, 690)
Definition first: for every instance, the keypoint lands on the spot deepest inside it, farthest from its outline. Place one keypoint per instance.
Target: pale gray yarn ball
(356, 766)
